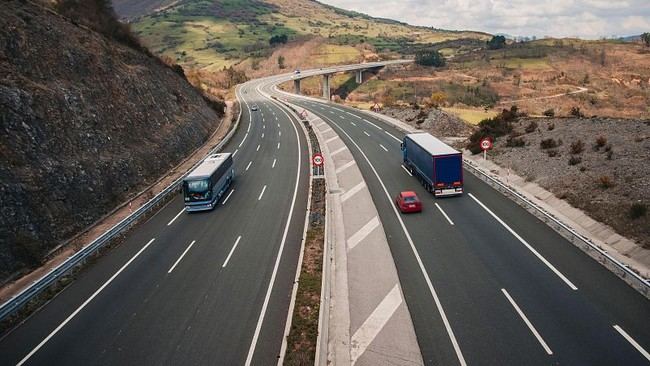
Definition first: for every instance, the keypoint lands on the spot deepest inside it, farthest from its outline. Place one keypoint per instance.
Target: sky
(590, 19)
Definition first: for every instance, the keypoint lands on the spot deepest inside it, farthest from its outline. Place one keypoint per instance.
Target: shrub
(574, 160)
(549, 112)
(429, 58)
(551, 126)
(548, 144)
(532, 126)
(605, 182)
(496, 42)
(498, 126)
(638, 210)
(610, 154)
(577, 147)
(600, 142)
(552, 153)
(576, 112)
(278, 39)
(515, 142)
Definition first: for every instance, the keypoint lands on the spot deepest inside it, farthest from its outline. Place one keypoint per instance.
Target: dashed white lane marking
(370, 328)
(249, 165)
(276, 118)
(71, 316)
(175, 217)
(362, 233)
(374, 125)
(547, 263)
(279, 133)
(278, 145)
(345, 166)
(633, 342)
(353, 124)
(232, 250)
(528, 323)
(258, 148)
(444, 214)
(352, 191)
(235, 153)
(273, 166)
(264, 127)
(391, 135)
(383, 147)
(366, 133)
(262, 134)
(228, 196)
(278, 125)
(331, 139)
(339, 150)
(407, 171)
(242, 141)
(261, 193)
(181, 257)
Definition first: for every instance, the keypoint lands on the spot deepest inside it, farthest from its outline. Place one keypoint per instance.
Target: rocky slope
(85, 122)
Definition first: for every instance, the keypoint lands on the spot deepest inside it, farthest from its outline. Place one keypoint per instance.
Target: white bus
(205, 185)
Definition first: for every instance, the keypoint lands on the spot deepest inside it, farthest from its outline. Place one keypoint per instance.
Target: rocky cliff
(85, 122)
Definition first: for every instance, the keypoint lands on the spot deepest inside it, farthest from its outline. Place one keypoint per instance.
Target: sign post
(318, 161)
(486, 144)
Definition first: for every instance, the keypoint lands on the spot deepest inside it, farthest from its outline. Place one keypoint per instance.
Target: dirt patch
(599, 165)
(435, 121)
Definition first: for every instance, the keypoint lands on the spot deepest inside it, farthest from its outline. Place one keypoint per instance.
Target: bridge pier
(326, 86)
(359, 76)
(296, 86)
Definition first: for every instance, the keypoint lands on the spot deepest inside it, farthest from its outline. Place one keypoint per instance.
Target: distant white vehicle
(254, 108)
(297, 71)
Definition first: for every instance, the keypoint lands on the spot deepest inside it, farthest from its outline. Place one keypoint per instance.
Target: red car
(408, 202)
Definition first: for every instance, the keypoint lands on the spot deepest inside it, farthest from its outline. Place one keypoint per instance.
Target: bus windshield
(197, 186)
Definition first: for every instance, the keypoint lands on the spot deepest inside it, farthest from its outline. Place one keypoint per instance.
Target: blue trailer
(438, 166)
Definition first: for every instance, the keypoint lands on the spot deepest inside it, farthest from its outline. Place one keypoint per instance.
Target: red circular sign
(317, 159)
(486, 143)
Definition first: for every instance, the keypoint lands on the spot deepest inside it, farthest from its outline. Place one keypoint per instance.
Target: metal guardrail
(38, 286)
(585, 244)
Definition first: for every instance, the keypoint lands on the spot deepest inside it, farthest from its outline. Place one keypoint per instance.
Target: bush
(638, 210)
(551, 127)
(549, 112)
(429, 58)
(577, 147)
(532, 126)
(600, 142)
(610, 154)
(497, 42)
(278, 39)
(498, 126)
(552, 153)
(575, 112)
(548, 144)
(605, 182)
(574, 160)
(515, 142)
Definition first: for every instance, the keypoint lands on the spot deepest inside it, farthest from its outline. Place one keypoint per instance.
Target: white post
(484, 154)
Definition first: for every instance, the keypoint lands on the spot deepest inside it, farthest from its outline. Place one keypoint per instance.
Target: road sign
(317, 159)
(303, 114)
(486, 143)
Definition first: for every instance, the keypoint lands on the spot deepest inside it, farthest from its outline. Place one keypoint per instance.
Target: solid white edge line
(175, 217)
(260, 320)
(632, 342)
(444, 214)
(528, 323)
(232, 250)
(525, 243)
(407, 171)
(228, 196)
(67, 320)
(434, 294)
(383, 147)
(262, 193)
(181, 257)
(249, 165)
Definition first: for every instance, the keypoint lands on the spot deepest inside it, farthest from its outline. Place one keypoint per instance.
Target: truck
(207, 183)
(438, 166)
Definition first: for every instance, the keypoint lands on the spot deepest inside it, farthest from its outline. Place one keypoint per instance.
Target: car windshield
(410, 199)
(197, 186)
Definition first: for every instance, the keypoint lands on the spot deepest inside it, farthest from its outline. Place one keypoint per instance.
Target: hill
(210, 35)
(88, 120)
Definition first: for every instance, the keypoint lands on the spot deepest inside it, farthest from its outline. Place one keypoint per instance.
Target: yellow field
(470, 115)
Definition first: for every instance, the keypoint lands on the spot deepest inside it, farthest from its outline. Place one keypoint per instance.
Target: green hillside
(213, 34)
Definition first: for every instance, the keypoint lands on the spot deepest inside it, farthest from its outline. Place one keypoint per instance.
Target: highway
(203, 288)
(486, 282)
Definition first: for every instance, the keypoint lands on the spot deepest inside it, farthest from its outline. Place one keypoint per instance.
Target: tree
(497, 42)
(437, 99)
(281, 62)
(645, 37)
(277, 39)
(429, 58)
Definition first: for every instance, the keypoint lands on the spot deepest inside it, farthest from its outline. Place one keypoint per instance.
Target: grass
(470, 115)
(335, 54)
(522, 63)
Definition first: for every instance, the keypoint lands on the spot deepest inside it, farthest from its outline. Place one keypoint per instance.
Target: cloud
(557, 18)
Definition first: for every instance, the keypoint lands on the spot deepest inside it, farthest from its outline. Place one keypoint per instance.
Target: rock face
(435, 121)
(84, 123)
